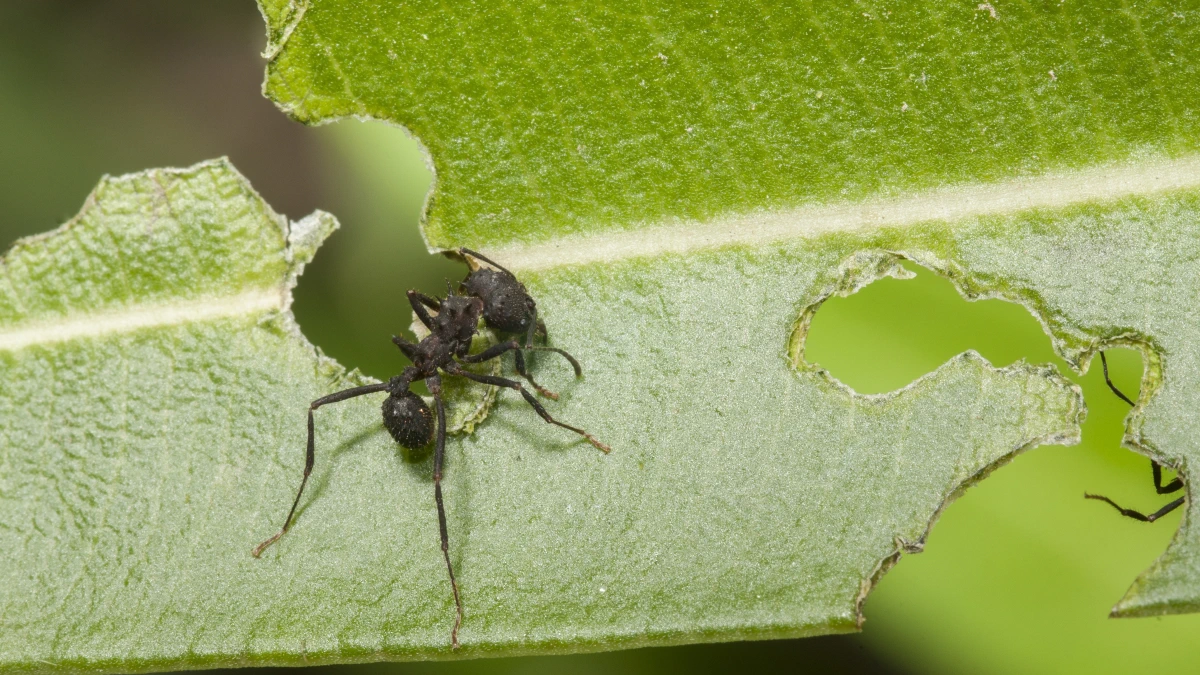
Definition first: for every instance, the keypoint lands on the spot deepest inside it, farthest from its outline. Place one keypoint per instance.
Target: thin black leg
(1137, 515)
(418, 306)
(529, 398)
(439, 456)
(512, 345)
(520, 358)
(492, 352)
(1156, 468)
(310, 457)
(1109, 382)
(489, 261)
(533, 326)
(571, 359)
(1174, 486)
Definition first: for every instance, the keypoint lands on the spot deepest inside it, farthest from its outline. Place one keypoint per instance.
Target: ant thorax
(467, 403)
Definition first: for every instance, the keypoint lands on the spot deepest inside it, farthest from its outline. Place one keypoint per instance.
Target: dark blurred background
(1018, 575)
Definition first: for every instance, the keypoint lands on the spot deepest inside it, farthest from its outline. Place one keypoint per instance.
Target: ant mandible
(1155, 468)
(502, 302)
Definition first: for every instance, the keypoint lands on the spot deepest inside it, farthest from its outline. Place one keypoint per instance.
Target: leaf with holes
(680, 189)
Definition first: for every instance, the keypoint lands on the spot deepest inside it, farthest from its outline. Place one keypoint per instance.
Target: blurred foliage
(125, 86)
(1018, 575)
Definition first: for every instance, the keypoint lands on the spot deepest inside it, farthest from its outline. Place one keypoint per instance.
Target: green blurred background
(1017, 576)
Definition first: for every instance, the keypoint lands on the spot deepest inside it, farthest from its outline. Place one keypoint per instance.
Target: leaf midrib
(142, 316)
(1049, 191)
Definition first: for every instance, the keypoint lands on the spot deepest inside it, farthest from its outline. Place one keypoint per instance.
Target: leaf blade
(185, 447)
(539, 125)
(656, 333)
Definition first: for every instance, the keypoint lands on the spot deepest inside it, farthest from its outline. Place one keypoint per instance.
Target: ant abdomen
(507, 307)
(408, 420)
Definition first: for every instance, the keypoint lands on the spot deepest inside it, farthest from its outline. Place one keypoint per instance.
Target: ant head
(459, 315)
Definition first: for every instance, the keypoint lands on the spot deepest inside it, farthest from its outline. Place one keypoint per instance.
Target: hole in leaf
(351, 297)
(893, 331)
(1021, 556)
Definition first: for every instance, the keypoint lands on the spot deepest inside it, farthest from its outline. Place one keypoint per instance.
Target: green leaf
(130, 518)
(680, 190)
(544, 122)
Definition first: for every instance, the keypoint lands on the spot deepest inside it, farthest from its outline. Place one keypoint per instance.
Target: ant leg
(489, 261)
(409, 349)
(1176, 484)
(492, 352)
(520, 359)
(1137, 515)
(574, 364)
(512, 345)
(417, 300)
(1173, 486)
(534, 325)
(513, 384)
(439, 456)
(523, 372)
(1104, 364)
(311, 453)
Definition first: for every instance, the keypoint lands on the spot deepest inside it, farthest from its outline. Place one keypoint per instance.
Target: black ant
(507, 308)
(1156, 468)
(502, 302)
